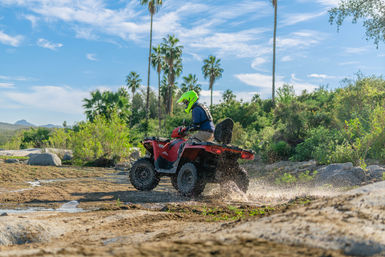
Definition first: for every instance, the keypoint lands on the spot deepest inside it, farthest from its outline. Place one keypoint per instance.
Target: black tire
(143, 175)
(174, 181)
(241, 178)
(189, 181)
(232, 171)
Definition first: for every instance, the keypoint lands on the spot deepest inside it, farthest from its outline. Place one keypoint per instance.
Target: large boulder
(44, 159)
(341, 174)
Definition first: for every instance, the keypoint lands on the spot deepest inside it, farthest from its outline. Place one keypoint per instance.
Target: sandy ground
(96, 212)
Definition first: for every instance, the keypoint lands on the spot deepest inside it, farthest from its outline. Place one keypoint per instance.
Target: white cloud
(53, 98)
(257, 62)
(329, 3)
(217, 96)
(356, 50)
(349, 63)
(10, 40)
(33, 19)
(14, 78)
(7, 85)
(49, 45)
(300, 39)
(91, 57)
(295, 18)
(320, 76)
(239, 44)
(326, 3)
(264, 82)
(286, 58)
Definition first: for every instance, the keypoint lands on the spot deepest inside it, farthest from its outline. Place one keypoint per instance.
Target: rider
(201, 117)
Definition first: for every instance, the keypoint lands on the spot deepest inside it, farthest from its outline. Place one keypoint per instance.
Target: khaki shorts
(202, 136)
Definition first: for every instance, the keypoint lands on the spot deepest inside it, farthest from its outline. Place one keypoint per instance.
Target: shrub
(286, 179)
(319, 145)
(101, 139)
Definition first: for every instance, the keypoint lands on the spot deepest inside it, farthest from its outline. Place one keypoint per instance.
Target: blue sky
(54, 52)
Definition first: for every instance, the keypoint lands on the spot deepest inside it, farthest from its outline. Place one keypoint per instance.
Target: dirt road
(96, 212)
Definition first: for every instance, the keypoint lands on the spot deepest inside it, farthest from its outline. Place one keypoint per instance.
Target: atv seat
(224, 131)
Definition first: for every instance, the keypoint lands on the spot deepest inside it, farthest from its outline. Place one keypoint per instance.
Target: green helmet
(189, 98)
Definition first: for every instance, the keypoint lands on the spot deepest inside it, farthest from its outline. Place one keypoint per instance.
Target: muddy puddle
(70, 207)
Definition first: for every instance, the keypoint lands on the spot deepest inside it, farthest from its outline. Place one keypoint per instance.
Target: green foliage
(371, 11)
(60, 138)
(102, 138)
(305, 176)
(191, 83)
(30, 138)
(106, 103)
(286, 178)
(319, 145)
(301, 178)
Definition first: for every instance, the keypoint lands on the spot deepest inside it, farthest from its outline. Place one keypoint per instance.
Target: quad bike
(191, 165)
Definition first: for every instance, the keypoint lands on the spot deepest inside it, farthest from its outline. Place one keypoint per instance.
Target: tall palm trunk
(148, 77)
(159, 112)
(211, 88)
(275, 2)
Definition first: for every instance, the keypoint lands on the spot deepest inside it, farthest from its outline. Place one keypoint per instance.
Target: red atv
(191, 165)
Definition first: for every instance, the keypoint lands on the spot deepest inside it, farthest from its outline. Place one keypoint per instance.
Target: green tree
(228, 96)
(372, 11)
(172, 53)
(212, 69)
(157, 61)
(190, 83)
(153, 7)
(275, 4)
(133, 82)
(105, 103)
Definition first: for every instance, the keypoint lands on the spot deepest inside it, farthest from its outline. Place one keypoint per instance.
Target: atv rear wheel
(189, 181)
(143, 175)
(230, 170)
(241, 178)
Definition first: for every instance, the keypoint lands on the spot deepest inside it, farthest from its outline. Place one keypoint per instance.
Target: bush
(319, 145)
(101, 140)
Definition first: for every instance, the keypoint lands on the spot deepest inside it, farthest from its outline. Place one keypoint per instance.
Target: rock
(64, 154)
(11, 161)
(4, 214)
(341, 174)
(123, 166)
(135, 154)
(376, 171)
(67, 156)
(44, 159)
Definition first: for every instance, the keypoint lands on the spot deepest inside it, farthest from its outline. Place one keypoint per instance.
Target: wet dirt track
(117, 220)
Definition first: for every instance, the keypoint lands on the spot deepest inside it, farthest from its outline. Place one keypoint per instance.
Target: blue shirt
(199, 116)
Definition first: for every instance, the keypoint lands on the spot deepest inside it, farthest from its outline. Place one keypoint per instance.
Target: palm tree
(212, 69)
(105, 103)
(191, 83)
(157, 61)
(275, 4)
(153, 7)
(133, 82)
(172, 53)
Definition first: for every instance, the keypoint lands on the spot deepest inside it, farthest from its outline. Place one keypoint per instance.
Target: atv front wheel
(189, 181)
(174, 181)
(143, 175)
